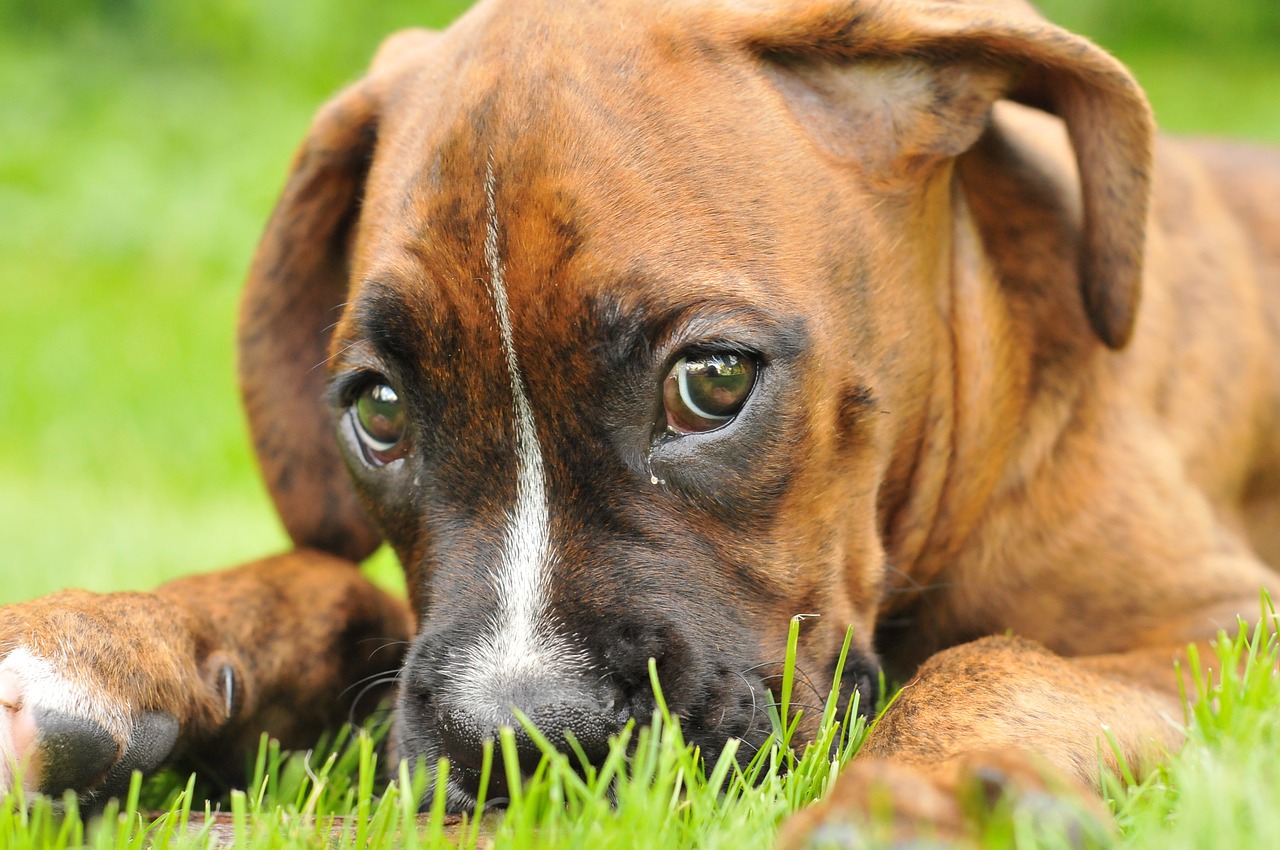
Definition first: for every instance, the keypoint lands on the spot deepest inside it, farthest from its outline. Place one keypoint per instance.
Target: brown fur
(1040, 393)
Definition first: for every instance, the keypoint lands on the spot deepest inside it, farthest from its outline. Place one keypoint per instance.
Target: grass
(141, 146)
(653, 790)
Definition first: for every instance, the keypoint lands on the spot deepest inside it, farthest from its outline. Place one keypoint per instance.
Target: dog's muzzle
(579, 715)
(571, 720)
(453, 701)
(449, 705)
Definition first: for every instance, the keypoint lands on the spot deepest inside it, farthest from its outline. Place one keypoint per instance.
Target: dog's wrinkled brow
(388, 322)
(621, 331)
(626, 335)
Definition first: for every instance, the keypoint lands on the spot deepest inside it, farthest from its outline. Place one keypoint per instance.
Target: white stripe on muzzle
(519, 646)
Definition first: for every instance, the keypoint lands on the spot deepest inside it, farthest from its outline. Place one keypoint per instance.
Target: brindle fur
(1024, 379)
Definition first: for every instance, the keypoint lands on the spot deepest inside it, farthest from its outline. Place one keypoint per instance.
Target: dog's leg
(93, 686)
(999, 716)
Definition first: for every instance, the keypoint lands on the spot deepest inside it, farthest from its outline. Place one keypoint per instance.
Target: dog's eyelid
(359, 353)
(345, 385)
(717, 346)
(721, 329)
(361, 358)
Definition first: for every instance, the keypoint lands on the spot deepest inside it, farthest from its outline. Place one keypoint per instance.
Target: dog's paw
(57, 735)
(883, 803)
(879, 803)
(91, 689)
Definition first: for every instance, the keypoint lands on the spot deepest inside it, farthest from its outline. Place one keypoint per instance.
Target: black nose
(559, 715)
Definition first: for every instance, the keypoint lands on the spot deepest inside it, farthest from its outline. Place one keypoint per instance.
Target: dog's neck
(958, 443)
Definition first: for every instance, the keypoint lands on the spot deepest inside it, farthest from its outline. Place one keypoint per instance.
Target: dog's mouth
(585, 735)
(485, 749)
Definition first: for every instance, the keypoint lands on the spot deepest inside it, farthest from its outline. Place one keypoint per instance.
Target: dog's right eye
(380, 424)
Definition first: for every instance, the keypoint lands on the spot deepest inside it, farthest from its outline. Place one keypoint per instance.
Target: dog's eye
(703, 392)
(380, 423)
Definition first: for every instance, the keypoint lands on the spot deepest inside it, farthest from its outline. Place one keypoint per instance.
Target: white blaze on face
(519, 645)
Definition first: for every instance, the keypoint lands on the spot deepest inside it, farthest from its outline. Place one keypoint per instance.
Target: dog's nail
(227, 681)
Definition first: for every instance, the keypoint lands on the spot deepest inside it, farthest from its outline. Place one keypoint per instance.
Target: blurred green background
(142, 143)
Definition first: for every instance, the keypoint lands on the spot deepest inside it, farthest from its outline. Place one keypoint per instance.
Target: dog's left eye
(706, 391)
(380, 424)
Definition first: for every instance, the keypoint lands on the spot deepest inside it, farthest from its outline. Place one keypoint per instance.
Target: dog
(636, 330)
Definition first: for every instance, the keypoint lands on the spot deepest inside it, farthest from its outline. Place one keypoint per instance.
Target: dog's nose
(559, 715)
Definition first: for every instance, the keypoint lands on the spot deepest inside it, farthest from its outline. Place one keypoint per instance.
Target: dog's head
(626, 322)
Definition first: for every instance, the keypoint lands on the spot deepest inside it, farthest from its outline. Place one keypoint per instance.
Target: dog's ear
(292, 299)
(294, 295)
(910, 82)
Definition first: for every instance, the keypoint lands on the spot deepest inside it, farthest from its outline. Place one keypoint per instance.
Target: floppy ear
(914, 81)
(293, 297)
(292, 300)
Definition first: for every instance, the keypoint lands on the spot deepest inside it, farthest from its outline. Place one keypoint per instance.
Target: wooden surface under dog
(220, 828)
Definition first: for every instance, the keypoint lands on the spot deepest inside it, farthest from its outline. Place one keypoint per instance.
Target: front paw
(879, 802)
(91, 689)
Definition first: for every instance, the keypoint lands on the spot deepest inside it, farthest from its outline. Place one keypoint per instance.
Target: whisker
(912, 586)
(335, 355)
(802, 677)
(351, 714)
(806, 705)
(755, 667)
(385, 676)
(751, 689)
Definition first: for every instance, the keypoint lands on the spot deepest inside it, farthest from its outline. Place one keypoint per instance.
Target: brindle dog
(645, 327)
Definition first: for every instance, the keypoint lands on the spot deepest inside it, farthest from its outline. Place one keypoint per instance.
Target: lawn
(141, 146)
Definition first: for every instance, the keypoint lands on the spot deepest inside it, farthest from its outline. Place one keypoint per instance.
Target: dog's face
(584, 387)
(633, 361)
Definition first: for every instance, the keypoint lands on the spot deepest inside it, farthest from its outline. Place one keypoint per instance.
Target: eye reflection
(380, 424)
(706, 391)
